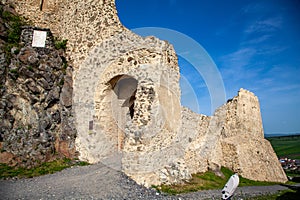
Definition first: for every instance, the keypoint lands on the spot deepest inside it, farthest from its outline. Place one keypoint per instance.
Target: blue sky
(253, 44)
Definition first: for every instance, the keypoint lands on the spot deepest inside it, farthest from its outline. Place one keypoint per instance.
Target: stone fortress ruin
(126, 102)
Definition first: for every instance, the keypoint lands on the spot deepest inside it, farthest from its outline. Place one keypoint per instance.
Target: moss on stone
(14, 23)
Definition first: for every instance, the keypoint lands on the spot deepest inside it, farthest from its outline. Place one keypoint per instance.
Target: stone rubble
(100, 182)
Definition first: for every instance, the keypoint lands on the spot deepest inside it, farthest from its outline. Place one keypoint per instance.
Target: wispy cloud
(185, 53)
(286, 73)
(266, 81)
(271, 49)
(285, 88)
(265, 61)
(256, 40)
(266, 25)
(239, 58)
(253, 8)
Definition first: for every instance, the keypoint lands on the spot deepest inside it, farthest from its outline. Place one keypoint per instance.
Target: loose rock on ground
(101, 182)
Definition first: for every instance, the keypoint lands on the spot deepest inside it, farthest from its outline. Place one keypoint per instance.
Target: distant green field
(286, 146)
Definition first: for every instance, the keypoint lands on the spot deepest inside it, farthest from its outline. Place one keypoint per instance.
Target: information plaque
(39, 38)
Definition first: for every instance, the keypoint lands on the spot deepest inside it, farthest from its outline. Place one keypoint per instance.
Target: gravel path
(100, 182)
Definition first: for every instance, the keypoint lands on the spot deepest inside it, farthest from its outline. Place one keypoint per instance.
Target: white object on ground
(230, 186)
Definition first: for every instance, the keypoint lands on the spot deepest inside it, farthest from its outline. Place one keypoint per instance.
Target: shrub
(60, 44)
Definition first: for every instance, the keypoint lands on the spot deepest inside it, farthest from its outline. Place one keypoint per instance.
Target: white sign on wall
(39, 38)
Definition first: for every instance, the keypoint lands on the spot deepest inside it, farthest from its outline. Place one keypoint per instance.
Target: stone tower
(126, 100)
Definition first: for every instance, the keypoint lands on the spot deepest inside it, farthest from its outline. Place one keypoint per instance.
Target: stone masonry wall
(243, 145)
(36, 101)
(146, 133)
(243, 113)
(83, 23)
(232, 137)
(145, 60)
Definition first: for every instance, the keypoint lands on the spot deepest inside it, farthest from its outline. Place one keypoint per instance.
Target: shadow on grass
(289, 196)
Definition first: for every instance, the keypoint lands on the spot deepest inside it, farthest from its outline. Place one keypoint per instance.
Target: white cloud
(267, 25)
(257, 40)
(239, 58)
(266, 81)
(285, 88)
(184, 53)
(271, 49)
(253, 8)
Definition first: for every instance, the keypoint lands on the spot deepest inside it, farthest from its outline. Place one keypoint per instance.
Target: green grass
(286, 146)
(207, 181)
(282, 195)
(45, 168)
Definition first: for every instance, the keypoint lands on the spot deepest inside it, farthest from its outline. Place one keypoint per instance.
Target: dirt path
(101, 182)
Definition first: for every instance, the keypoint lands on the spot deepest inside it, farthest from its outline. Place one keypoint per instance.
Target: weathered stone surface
(160, 142)
(233, 137)
(67, 90)
(243, 145)
(28, 56)
(65, 149)
(31, 113)
(7, 158)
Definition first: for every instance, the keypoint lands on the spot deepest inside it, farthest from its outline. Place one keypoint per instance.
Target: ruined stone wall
(101, 49)
(243, 113)
(149, 61)
(46, 15)
(36, 101)
(192, 137)
(146, 133)
(83, 23)
(243, 145)
(232, 137)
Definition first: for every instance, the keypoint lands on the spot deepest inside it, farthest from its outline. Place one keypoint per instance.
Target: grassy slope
(206, 181)
(282, 195)
(286, 146)
(45, 168)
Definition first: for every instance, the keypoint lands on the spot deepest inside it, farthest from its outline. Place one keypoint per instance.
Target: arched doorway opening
(123, 90)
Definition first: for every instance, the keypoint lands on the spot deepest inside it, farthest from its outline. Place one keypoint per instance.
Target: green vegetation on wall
(60, 44)
(14, 24)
